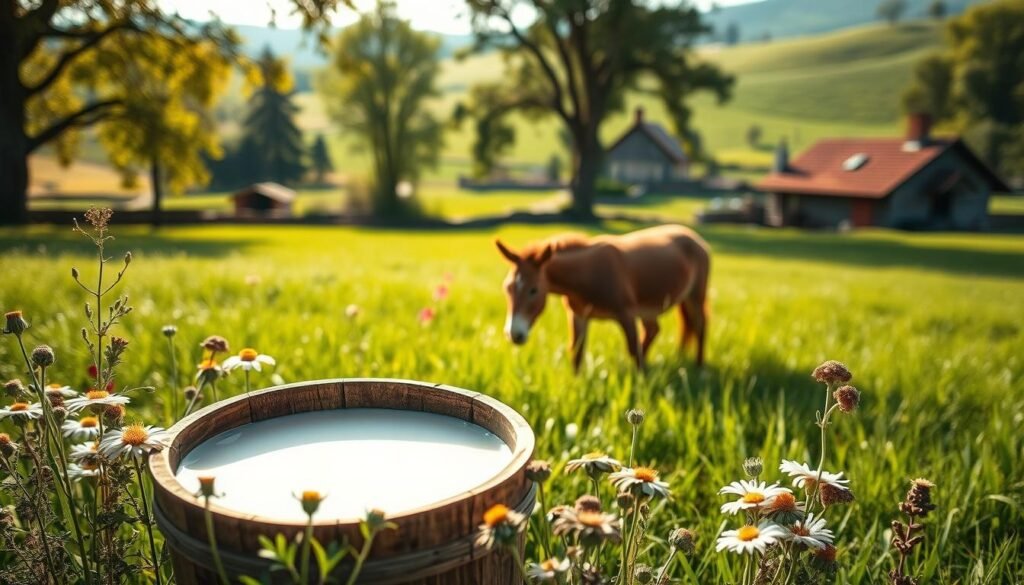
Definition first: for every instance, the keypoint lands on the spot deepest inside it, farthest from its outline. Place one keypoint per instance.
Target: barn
(915, 182)
(647, 156)
(265, 200)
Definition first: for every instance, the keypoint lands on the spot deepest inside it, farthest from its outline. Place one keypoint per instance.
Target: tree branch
(68, 56)
(88, 115)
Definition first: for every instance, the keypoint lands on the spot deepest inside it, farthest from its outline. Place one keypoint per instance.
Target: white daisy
(133, 439)
(751, 539)
(79, 472)
(641, 481)
(64, 390)
(548, 571)
(805, 477)
(811, 532)
(87, 427)
(248, 359)
(97, 398)
(753, 495)
(21, 411)
(85, 453)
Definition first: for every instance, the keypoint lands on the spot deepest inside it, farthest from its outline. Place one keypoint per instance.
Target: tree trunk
(584, 181)
(158, 193)
(14, 144)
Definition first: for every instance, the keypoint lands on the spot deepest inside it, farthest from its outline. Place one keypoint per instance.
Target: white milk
(362, 458)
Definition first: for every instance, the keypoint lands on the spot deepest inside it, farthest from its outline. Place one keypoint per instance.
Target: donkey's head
(526, 289)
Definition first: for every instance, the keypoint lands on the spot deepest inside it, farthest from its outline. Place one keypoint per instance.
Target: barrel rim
(164, 476)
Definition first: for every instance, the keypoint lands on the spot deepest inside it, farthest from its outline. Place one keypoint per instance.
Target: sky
(444, 16)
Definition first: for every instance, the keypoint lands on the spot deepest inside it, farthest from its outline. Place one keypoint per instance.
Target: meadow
(930, 325)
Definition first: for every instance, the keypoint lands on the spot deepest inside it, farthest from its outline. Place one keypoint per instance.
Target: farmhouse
(918, 182)
(647, 156)
(264, 199)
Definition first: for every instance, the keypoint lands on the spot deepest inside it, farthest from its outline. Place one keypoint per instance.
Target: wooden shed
(264, 200)
(647, 156)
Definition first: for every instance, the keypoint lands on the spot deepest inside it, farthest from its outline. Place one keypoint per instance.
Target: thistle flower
(594, 464)
(549, 571)
(805, 477)
(753, 466)
(43, 356)
(248, 359)
(642, 482)
(589, 527)
(501, 527)
(87, 427)
(784, 509)
(215, 344)
(810, 532)
(919, 498)
(830, 495)
(7, 446)
(21, 411)
(136, 440)
(750, 539)
(97, 400)
(538, 470)
(753, 495)
(426, 315)
(15, 323)
(682, 540)
(832, 372)
(847, 397)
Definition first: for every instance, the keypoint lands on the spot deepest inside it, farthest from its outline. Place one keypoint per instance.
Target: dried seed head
(753, 466)
(216, 344)
(60, 413)
(99, 217)
(16, 323)
(588, 503)
(190, 392)
(43, 356)
(113, 414)
(14, 388)
(169, 330)
(206, 488)
(7, 446)
(635, 417)
(919, 498)
(831, 495)
(55, 397)
(643, 574)
(625, 500)
(538, 470)
(847, 397)
(683, 540)
(832, 372)
(127, 258)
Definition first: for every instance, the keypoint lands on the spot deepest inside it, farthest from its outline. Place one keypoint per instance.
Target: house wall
(913, 204)
(638, 160)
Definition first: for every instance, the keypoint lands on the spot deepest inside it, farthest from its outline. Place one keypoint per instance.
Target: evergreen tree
(270, 133)
(320, 158)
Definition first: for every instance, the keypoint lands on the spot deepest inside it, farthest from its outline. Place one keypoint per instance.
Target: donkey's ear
(545, 255)
(508, 254)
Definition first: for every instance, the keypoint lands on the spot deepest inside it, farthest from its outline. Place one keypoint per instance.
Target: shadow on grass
(147, 243)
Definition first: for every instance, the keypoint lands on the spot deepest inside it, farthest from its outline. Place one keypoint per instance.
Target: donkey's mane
(559, 243)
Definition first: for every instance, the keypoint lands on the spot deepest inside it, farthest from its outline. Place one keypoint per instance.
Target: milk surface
(362, 458)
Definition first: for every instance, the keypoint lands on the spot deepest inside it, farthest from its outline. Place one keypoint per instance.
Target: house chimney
(781, 164)
(919, 126)
(639, 115)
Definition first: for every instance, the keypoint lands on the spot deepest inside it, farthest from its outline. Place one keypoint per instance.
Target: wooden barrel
(433, 544)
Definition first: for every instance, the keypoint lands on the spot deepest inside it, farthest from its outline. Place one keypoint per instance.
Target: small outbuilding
(264, 200)
(916, 182)
(647, 156)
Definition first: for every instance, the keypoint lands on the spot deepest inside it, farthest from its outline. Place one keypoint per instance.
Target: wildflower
(59, 413)
(21, 411)
(99, 217)
(169, 330)
(377, 519)
(190, 392)
(635, 417)
(15, 323)
(784, 509)
(98, 400)
(43, 356)
(208, 371)
(589, 527)
(588, 503)
(556, 513)
(113, 415)
(136, 439)
(84, 453)
(7, 446)
(831, 495)
(825, 554)
(753, 495)
(248, 359)
(643, 574)
(625, 500)
(352, 311)
(811, 532)
(87, 427)
(501, 527)
(642, 482)
(84, 471)
(805, 477)
(594, 464)
(426, 315)
(310, 500)
(538, 470)
(682, 540)
(441, 292)
(571, 430)
(253, 279)
(753, 466)
(63, 390)
(215, 344)
(14, 388)
(751, 539)
(919, 498)
(549, 571)
(206, 489)
(847, 397)
(831, 372)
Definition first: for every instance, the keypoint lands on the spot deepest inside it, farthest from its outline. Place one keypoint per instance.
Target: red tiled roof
(819, 170)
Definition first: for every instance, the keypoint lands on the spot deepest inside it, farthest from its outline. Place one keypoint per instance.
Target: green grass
(929, 324)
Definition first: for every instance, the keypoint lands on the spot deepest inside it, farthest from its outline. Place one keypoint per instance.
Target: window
(855, 162)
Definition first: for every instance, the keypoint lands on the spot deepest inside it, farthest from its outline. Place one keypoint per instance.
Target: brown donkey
(638, 275)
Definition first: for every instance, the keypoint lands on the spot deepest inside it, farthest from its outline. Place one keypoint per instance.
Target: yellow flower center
(96, 394)
(134, 435)
(748, 533)
(19, 407)
(54, 386)
(207, 364)
(248, 354)
(88, 422)
(311, 496)
(753, 498)
(592, 519)
(784, 502)
(549, 565)
(645, 474)
(496, 515)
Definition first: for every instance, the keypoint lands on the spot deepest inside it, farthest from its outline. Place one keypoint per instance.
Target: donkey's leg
(577, 337)
(694, 316)
(628, 323)
(685, 328)
(651, 329)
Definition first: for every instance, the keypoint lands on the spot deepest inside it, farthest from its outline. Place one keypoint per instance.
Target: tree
(554, 170)
(384, 76)
(577, 60)
(321, 159)
(754, 134)
(270, 136)
(47, 91)
(891, 11)
(937, 9)
(977, 84)
(732, 34)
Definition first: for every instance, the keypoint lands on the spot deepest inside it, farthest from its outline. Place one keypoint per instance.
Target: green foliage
(383, 78)
(891, 11)
(320, 158)
(272, 144)
(937, 9)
